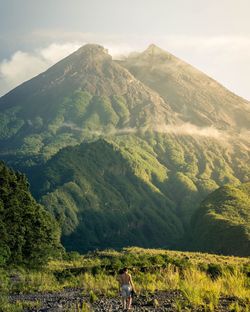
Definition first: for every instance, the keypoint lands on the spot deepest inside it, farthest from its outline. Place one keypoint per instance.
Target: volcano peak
(91, 48)
(153, 50)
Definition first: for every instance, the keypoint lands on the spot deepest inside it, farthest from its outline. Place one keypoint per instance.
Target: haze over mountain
(86, 91)
(197, 98)
(170, 136)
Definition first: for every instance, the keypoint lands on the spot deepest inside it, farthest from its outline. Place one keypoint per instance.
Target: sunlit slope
(222, 223)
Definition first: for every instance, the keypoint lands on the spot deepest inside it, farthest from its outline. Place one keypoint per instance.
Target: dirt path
(72, 300)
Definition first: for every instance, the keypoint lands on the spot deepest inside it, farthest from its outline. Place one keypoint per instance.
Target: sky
(213, 36)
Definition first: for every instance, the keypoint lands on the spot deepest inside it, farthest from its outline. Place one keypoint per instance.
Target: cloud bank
(190, 129)
(186, 129)
(23, 66)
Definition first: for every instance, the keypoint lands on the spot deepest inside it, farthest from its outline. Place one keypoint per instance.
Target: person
(126, 286)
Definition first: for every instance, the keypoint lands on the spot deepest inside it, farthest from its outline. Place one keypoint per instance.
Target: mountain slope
(222, 223)
(80, 97)
(127, 184)
(101, 201)
(197, 98)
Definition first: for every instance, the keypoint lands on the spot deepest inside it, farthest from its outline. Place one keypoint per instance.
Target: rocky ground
(73, 300)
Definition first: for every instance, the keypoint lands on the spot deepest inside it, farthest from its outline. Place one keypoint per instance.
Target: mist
(182, 129)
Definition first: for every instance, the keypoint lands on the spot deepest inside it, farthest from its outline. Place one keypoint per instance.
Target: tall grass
(200, 289)
(99, 284)
(201, 283)
(235, 284)
(33, 281)
(164, 279)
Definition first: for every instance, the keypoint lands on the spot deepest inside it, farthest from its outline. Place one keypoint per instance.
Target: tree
(29, 235)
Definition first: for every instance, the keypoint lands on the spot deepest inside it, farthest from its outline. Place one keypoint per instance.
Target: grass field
(202, 278)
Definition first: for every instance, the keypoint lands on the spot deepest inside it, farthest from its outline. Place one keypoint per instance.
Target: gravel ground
(71, 300)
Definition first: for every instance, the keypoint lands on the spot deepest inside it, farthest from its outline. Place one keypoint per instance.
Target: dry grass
(193, 257)
(187, 272)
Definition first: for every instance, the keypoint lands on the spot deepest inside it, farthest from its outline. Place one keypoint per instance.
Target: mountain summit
(153, 50)
(197, 98)
(85, 93)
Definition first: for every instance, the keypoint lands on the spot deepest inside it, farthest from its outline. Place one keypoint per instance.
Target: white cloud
(182, 129)
(25, 65)
(190, 129)
(20, 67)
(55, 52)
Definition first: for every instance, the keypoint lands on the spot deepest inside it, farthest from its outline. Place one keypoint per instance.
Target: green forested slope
(101, 200)
(222, 223)
(28, 233)
(194, 166)
(132, 190)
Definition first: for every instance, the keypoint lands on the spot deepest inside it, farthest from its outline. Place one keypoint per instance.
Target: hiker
(127, 287)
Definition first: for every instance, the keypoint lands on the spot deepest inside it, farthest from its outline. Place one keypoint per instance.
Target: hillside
(130, 190)
(95, 193)
(222, 223)
(156, 137)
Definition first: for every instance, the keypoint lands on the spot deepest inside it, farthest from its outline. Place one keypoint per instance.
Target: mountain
(111, 152)
(80, 97)
(28, 233)
(222, 223)
(197, 98)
